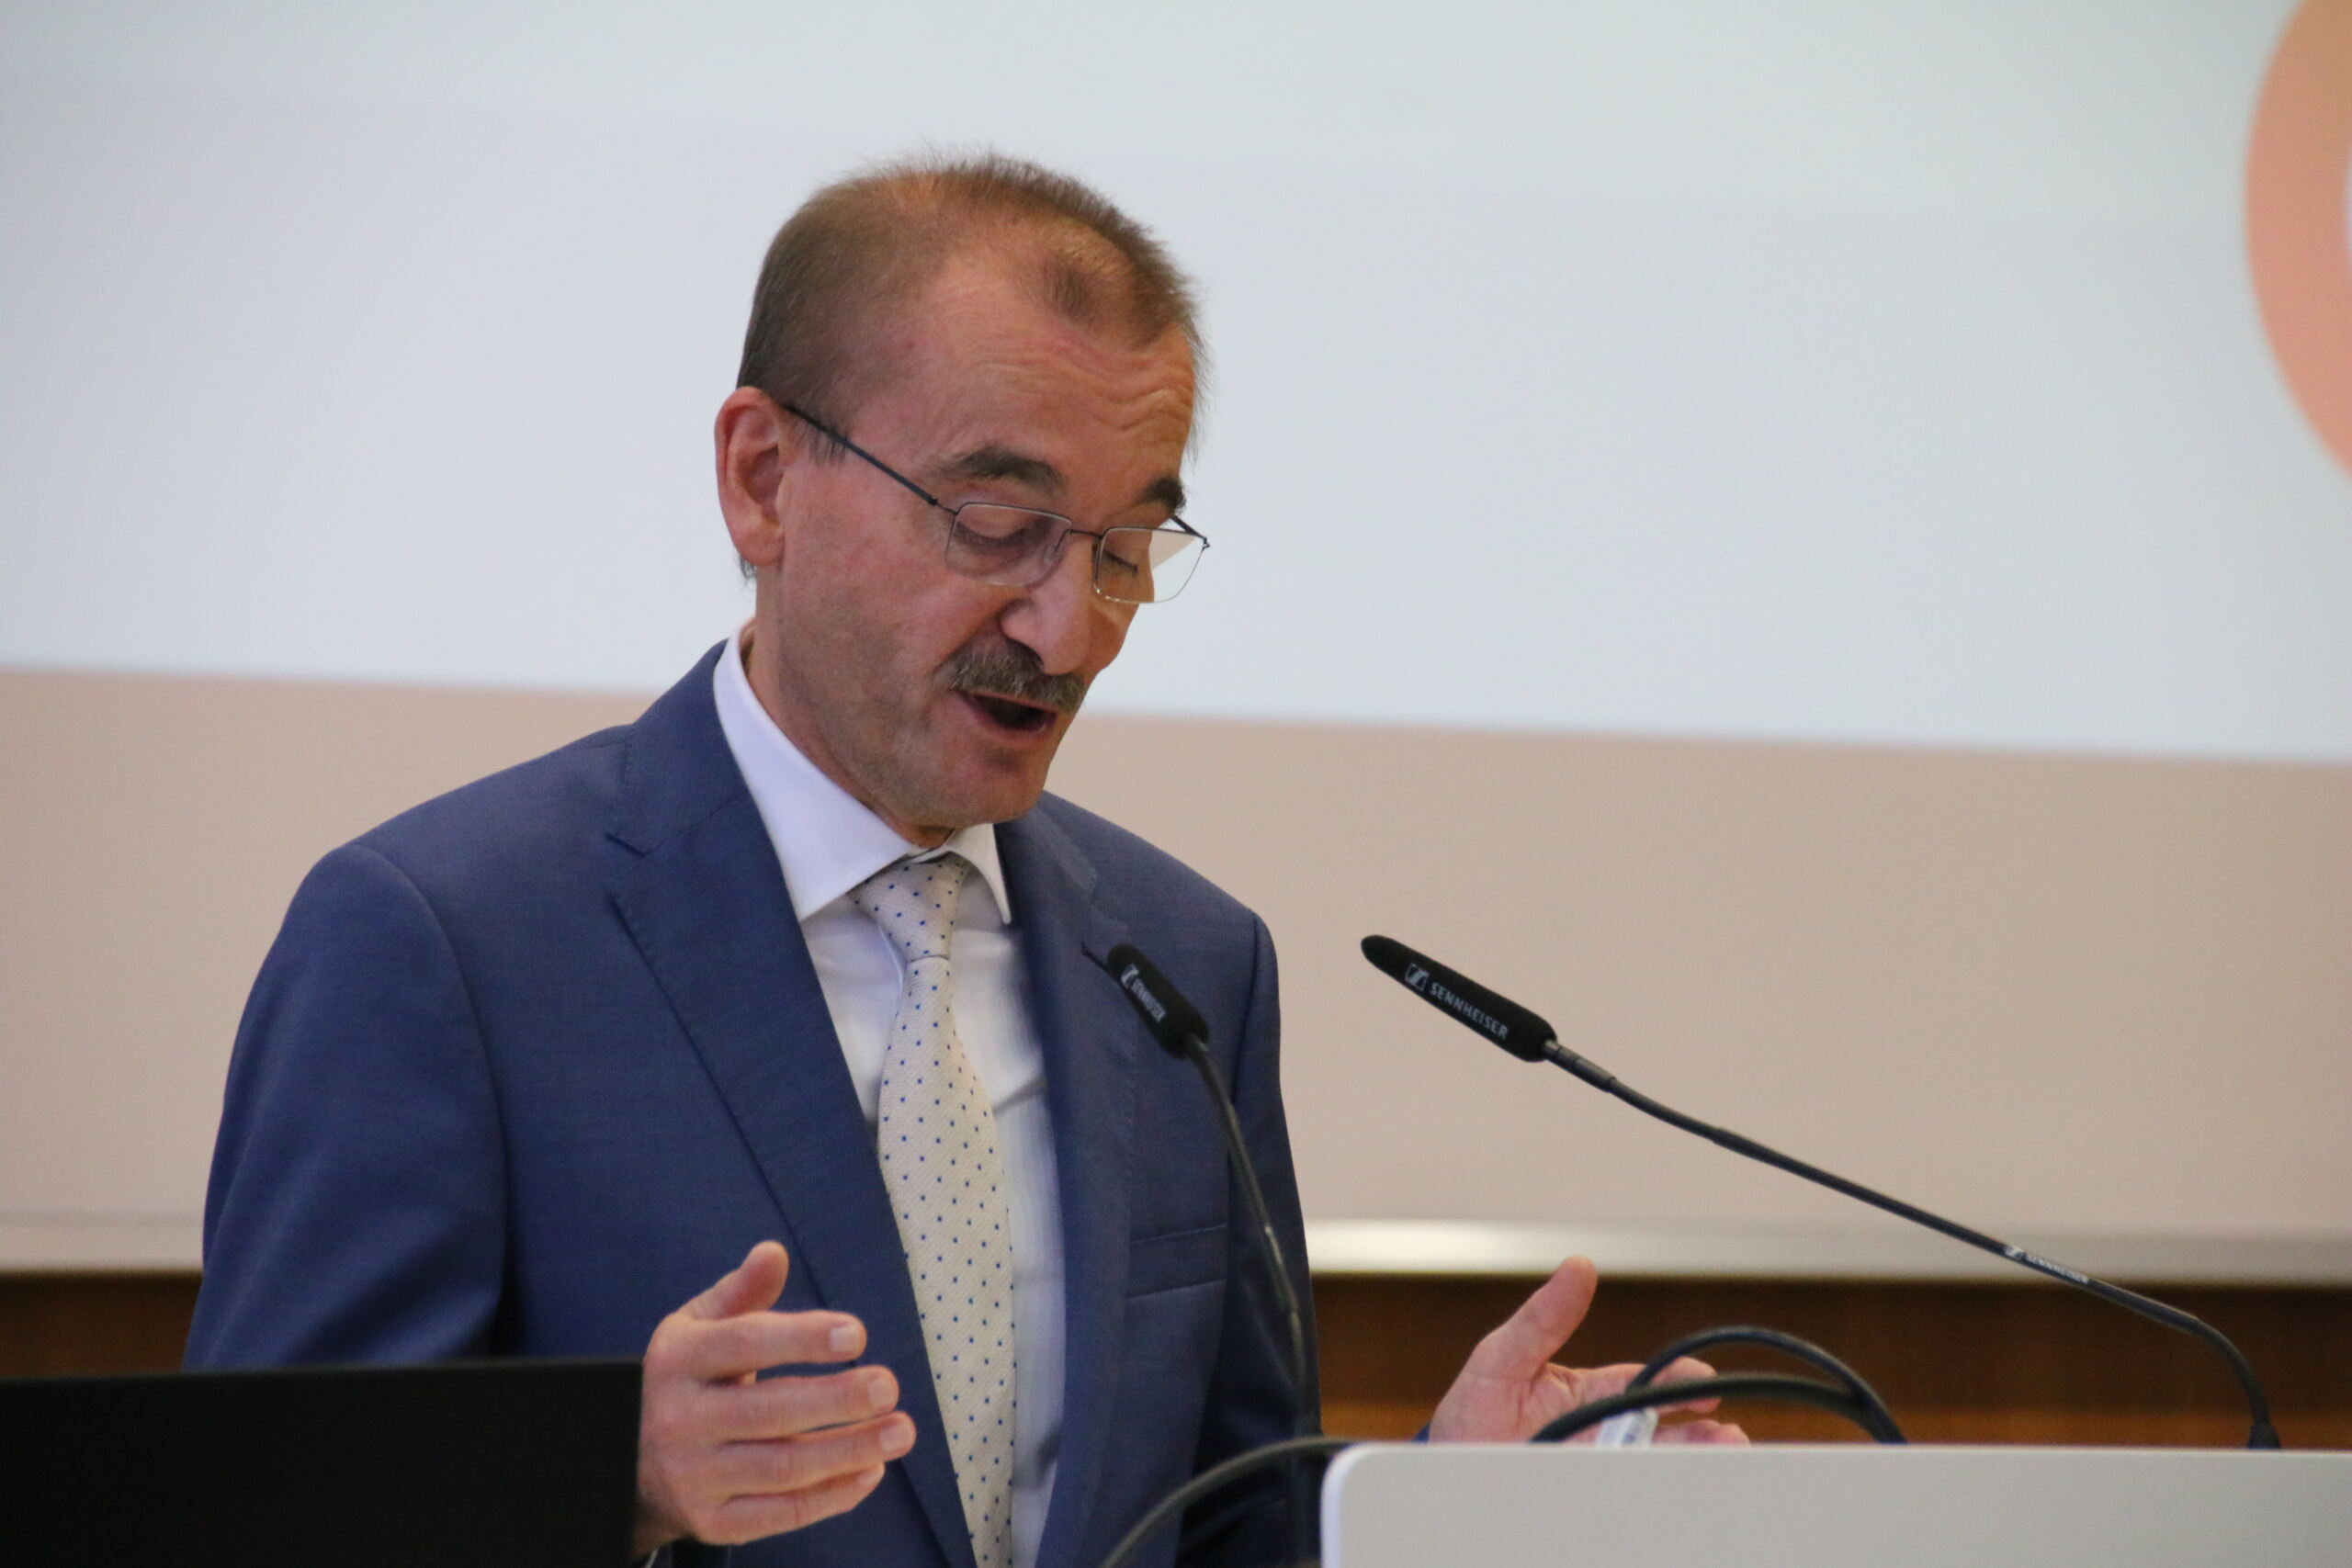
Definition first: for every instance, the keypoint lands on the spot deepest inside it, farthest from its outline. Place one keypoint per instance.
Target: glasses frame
(1051, 555)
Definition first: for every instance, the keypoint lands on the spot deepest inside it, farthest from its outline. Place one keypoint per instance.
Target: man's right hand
(726, 1457)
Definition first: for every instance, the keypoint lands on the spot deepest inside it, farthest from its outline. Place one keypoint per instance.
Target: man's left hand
(1509, 1390)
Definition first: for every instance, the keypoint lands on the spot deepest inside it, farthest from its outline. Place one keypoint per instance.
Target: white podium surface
(1405, 1506)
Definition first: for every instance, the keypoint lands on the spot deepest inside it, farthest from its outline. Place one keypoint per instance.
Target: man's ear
(754, 443)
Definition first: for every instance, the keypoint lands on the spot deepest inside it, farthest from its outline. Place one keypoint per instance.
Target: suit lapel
(1088, 1039)
(707, 904)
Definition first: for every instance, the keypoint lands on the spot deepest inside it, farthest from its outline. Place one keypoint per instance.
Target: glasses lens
(1008, 545)
(1145, 566)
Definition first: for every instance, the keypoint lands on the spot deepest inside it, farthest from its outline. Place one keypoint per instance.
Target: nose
(1060, 618)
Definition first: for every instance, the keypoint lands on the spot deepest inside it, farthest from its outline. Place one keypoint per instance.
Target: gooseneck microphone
(1183, 1034)
(1528, 1037)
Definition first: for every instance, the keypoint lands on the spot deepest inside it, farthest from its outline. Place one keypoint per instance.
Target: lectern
(1406, 1506)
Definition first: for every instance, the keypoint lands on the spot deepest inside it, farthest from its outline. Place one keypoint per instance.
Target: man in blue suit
(794, 983)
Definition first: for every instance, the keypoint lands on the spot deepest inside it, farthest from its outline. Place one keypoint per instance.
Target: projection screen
(1810, 543)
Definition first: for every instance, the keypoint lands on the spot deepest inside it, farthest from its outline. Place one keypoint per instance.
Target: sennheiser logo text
(1461, 1006)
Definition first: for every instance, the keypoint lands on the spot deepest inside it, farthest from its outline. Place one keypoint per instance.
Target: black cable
(1733, 1385)
(1168, 1508)
(1761, 1385)
(1787, 1344)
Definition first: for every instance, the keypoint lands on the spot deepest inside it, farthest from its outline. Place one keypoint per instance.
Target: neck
(769, 686)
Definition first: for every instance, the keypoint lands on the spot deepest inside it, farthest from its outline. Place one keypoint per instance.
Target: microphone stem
(1254, 1197)
(1301, 1500)
(2262, 1434)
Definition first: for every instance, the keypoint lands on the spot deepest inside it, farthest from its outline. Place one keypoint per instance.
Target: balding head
(857, 255)
(990, 335)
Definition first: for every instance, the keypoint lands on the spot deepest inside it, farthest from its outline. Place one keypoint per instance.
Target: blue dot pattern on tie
(937, 1143)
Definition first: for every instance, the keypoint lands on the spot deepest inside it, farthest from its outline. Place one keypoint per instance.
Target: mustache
(1009, 670)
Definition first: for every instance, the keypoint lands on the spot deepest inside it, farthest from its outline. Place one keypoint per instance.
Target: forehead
(977, 357)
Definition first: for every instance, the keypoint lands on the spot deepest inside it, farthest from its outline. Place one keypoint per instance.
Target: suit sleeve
(357, 1205)
(1250, 1401)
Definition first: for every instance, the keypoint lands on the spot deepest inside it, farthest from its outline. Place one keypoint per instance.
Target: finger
(740, 1519)
(1685, 1369)
(814, 1459)
(1517, 1351)
(1700, 1432)
(738, 1347)
(751, 1285)
(1602, 1383)
(780, 1407)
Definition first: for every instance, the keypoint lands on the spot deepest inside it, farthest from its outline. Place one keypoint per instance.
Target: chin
(979, 795)
(1002, 799)
(1004, 805)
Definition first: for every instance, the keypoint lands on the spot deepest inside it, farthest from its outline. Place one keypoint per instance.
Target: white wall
(1849, 371)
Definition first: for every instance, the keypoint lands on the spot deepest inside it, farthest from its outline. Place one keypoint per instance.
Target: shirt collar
(826, 841)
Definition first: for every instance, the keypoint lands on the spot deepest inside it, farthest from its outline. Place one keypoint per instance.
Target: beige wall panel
(2066, 995)
(151, 830)
(2063, 995)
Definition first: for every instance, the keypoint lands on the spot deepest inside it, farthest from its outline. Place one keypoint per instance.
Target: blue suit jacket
(533, 1063)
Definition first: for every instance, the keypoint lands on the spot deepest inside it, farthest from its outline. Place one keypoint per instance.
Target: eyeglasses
(1018, 546)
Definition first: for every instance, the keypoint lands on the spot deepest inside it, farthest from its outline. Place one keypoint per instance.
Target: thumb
(752, 1285)
(1533, 1335)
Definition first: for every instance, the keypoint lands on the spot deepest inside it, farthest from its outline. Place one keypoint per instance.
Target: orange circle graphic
(2298, 171)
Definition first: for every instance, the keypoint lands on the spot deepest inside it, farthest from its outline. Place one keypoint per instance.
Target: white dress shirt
(828, 843)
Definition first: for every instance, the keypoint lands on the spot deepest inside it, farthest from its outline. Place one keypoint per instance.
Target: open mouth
(1004, 713)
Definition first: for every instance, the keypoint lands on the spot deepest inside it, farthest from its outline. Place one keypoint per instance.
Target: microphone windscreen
(1173, 1021)
(1468, 1003)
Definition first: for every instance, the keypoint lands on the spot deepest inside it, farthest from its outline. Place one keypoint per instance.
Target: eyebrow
(994, 460)
(1167, 489)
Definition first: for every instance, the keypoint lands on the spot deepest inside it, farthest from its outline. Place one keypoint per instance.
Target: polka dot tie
(946, 1176)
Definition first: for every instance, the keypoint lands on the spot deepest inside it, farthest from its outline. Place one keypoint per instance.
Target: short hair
(862, 249)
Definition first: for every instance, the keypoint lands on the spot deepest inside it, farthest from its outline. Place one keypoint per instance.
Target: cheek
(928, 629)
(858, 588)
(1109, 637)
